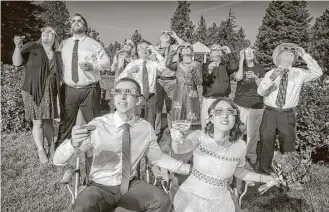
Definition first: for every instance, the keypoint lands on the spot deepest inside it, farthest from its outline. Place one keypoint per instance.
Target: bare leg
(37, 132)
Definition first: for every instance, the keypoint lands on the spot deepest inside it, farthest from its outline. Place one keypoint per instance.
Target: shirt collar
(80, 39)
(119, 122)
(289, 68)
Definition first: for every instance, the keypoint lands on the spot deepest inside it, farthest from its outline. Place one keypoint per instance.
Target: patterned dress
(186, 103)
(48, 105)
(206, 189)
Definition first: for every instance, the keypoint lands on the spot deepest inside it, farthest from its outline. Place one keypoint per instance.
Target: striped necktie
(146, 87)
(126, 159)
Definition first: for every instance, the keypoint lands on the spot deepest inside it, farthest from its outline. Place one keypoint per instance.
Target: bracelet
(260, 178)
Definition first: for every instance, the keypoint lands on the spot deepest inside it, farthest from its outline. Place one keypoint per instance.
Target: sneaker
(42, 156)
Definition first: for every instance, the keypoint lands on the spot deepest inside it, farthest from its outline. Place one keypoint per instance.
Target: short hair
(55, 46)
(84, 20)
(237, 130)
(144, 41)
(127, 79)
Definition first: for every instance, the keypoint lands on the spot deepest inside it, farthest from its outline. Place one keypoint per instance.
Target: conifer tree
(181, 22)
(136, 37)
(284, 22)
(200, 33)
(319, 44)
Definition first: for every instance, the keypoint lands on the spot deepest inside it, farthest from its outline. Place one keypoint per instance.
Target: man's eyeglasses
(125, 92)
(220, 112)
(293, 49)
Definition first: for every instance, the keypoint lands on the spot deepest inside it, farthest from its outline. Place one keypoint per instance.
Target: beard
(77, 30)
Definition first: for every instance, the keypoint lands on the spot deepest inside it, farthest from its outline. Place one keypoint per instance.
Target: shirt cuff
(184, 169)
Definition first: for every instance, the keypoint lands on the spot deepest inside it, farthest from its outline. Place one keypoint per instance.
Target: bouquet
(290, 170)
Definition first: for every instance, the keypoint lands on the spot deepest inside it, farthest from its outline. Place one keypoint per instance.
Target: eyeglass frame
(43, 29)
(222, 111)
(132, 92)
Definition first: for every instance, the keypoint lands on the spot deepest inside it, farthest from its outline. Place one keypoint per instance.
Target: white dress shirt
(106, 168)
(89, 50)
(153, 68)
(296, 77)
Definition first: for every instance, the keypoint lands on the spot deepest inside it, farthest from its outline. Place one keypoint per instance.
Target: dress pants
(148, 109)
(252, 119)
(165, 94)
(88, 100)
(141, 196)
(276, 121)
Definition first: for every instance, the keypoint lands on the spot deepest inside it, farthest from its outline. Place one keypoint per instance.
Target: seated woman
(218, 154)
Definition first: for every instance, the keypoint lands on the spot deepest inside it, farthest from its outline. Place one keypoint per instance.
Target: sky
(116, 20)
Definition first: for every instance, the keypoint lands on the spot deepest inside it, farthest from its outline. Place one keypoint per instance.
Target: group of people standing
(146, 77)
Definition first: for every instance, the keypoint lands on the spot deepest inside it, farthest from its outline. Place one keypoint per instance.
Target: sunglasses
(220, 112)
(293, 49)
(125, 92)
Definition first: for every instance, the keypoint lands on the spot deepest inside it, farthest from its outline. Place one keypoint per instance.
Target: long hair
(255, 56)
(237, 130)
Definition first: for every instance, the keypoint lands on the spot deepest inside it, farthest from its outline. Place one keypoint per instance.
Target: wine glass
(182, 126)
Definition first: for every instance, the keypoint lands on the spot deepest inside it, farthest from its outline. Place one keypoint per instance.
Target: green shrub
(313, 119)
(12, 107)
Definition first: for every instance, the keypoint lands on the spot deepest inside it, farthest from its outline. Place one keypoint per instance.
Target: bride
(218, 155)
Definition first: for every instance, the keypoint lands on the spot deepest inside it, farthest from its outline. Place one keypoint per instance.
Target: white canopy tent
(200, 48)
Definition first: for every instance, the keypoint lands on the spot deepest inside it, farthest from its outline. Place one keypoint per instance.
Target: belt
(210, 180)
(278, 109)
(151, 94)
(167, 78)
(92, 85)
(215, 97)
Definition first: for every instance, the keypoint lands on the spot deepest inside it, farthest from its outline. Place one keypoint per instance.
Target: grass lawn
(29, 186)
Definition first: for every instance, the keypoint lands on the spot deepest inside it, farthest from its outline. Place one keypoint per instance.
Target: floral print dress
(186, 104)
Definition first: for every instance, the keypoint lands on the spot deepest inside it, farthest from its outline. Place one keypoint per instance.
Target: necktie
(281, 98)
(75, 76)
(126, 159)
(146, 88)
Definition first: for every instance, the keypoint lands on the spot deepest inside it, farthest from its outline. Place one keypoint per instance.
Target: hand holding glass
(181, 126)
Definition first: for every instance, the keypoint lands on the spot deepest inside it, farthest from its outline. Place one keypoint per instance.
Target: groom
(112, 176)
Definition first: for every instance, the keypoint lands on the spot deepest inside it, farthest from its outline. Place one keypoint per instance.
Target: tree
(200, 33)
(284, 22)
(319, 44)
(55, 14)
(181, 23)
(18, 18)
(94, 35)
(242, 42)
(212, 34)
(136, 37)
(227, 32)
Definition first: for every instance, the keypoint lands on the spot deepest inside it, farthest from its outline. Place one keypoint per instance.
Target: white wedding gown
(206, 189)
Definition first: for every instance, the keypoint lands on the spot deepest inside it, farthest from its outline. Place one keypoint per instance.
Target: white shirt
(152, 69)
(296, 77)
(106, 168)
(89, 50)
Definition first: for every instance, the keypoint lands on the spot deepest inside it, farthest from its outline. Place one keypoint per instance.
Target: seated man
(112, 176)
